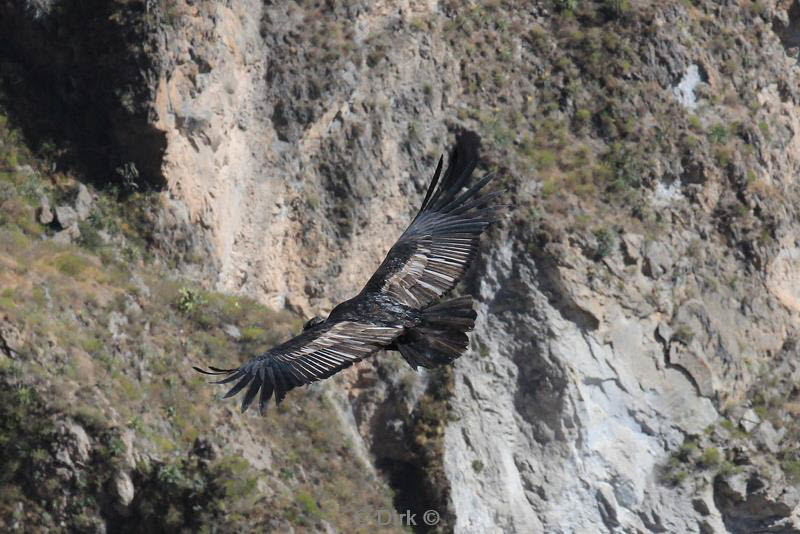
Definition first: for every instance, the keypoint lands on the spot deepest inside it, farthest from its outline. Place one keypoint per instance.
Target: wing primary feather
(462, 159)
(307, 368)
(432, 201)
(272, 380)
(301, 371)
(465, 226)
(239, 385)
(200, 370)
(431, 187)
(294, 377)
(218, 370)
(213, 370)
(251, 393)
(280, 387)
(266, 393)
(482, 200)
(231, 378)
(454, 188)
(477, 186)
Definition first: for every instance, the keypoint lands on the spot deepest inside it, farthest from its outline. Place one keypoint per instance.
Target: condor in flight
(400, 307)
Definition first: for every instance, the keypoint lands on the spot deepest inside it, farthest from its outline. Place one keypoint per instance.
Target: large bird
(400, 307)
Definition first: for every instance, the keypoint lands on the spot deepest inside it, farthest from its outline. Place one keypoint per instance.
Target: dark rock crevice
(81, 76)
(408, 450)
(789, 31)
(751, 510)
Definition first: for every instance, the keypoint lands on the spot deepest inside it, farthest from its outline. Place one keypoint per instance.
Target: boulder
(68, 235)
(658, 259)
(44, 213)
(83, 202)
(123, 489)
(749, 420)
(66, 216)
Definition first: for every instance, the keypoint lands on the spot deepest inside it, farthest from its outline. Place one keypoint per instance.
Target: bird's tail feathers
(442, 336)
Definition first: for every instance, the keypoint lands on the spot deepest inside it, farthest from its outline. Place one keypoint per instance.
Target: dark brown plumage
(399, 307)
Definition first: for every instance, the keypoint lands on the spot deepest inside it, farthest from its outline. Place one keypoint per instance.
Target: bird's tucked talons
(401, 305)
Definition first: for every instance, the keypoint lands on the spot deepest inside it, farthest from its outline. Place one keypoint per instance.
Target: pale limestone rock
(232, 331)
(703, 504)
(132, 308)
(123, 489)
(684, 91)
(768, 437)
(68, 235)
(129, 457)
(11, 340)
(116, 324)
(749, 420)
(783, 277)
(45, 214)
(83, 202)
(74, 444)
(66, 216)
(632, 247)
(736, 485)
(691, 360)
(658, 259)
(605, 392)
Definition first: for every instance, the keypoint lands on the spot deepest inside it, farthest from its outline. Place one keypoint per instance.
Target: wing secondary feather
(434, 252)
(317, 353)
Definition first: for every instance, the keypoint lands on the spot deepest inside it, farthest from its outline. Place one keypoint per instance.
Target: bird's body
(380, 309)
(400, 307)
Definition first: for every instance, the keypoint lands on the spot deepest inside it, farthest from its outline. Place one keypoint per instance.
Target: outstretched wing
(434, 252)
(317, 353)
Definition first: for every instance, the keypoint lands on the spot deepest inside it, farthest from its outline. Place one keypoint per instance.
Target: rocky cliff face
(634, 365)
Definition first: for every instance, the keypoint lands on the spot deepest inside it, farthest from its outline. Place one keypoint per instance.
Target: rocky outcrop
(258, 128)
(634, 304)
(588, 370)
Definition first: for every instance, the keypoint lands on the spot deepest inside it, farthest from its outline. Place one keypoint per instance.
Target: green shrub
(544, 159)
(190, 300)
(583, 115)
(711, 457)
(253, 333)
(566, 5)
(791, 468)
(617, 8)
(90, 237)
(718, 134)
(683, 334)
(308, 505)
(687, 450)
(606, 240)
(71, 264)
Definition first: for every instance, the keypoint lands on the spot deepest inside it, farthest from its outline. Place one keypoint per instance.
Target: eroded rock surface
(630, 370)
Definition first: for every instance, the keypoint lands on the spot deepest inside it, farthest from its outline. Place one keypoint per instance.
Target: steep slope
(634, 366)
(104, 426)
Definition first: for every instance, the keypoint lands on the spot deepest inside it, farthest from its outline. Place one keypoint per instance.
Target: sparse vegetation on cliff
(99, 337)
(644, 280)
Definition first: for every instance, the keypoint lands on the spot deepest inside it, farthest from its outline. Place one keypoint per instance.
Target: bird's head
(314, 321)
